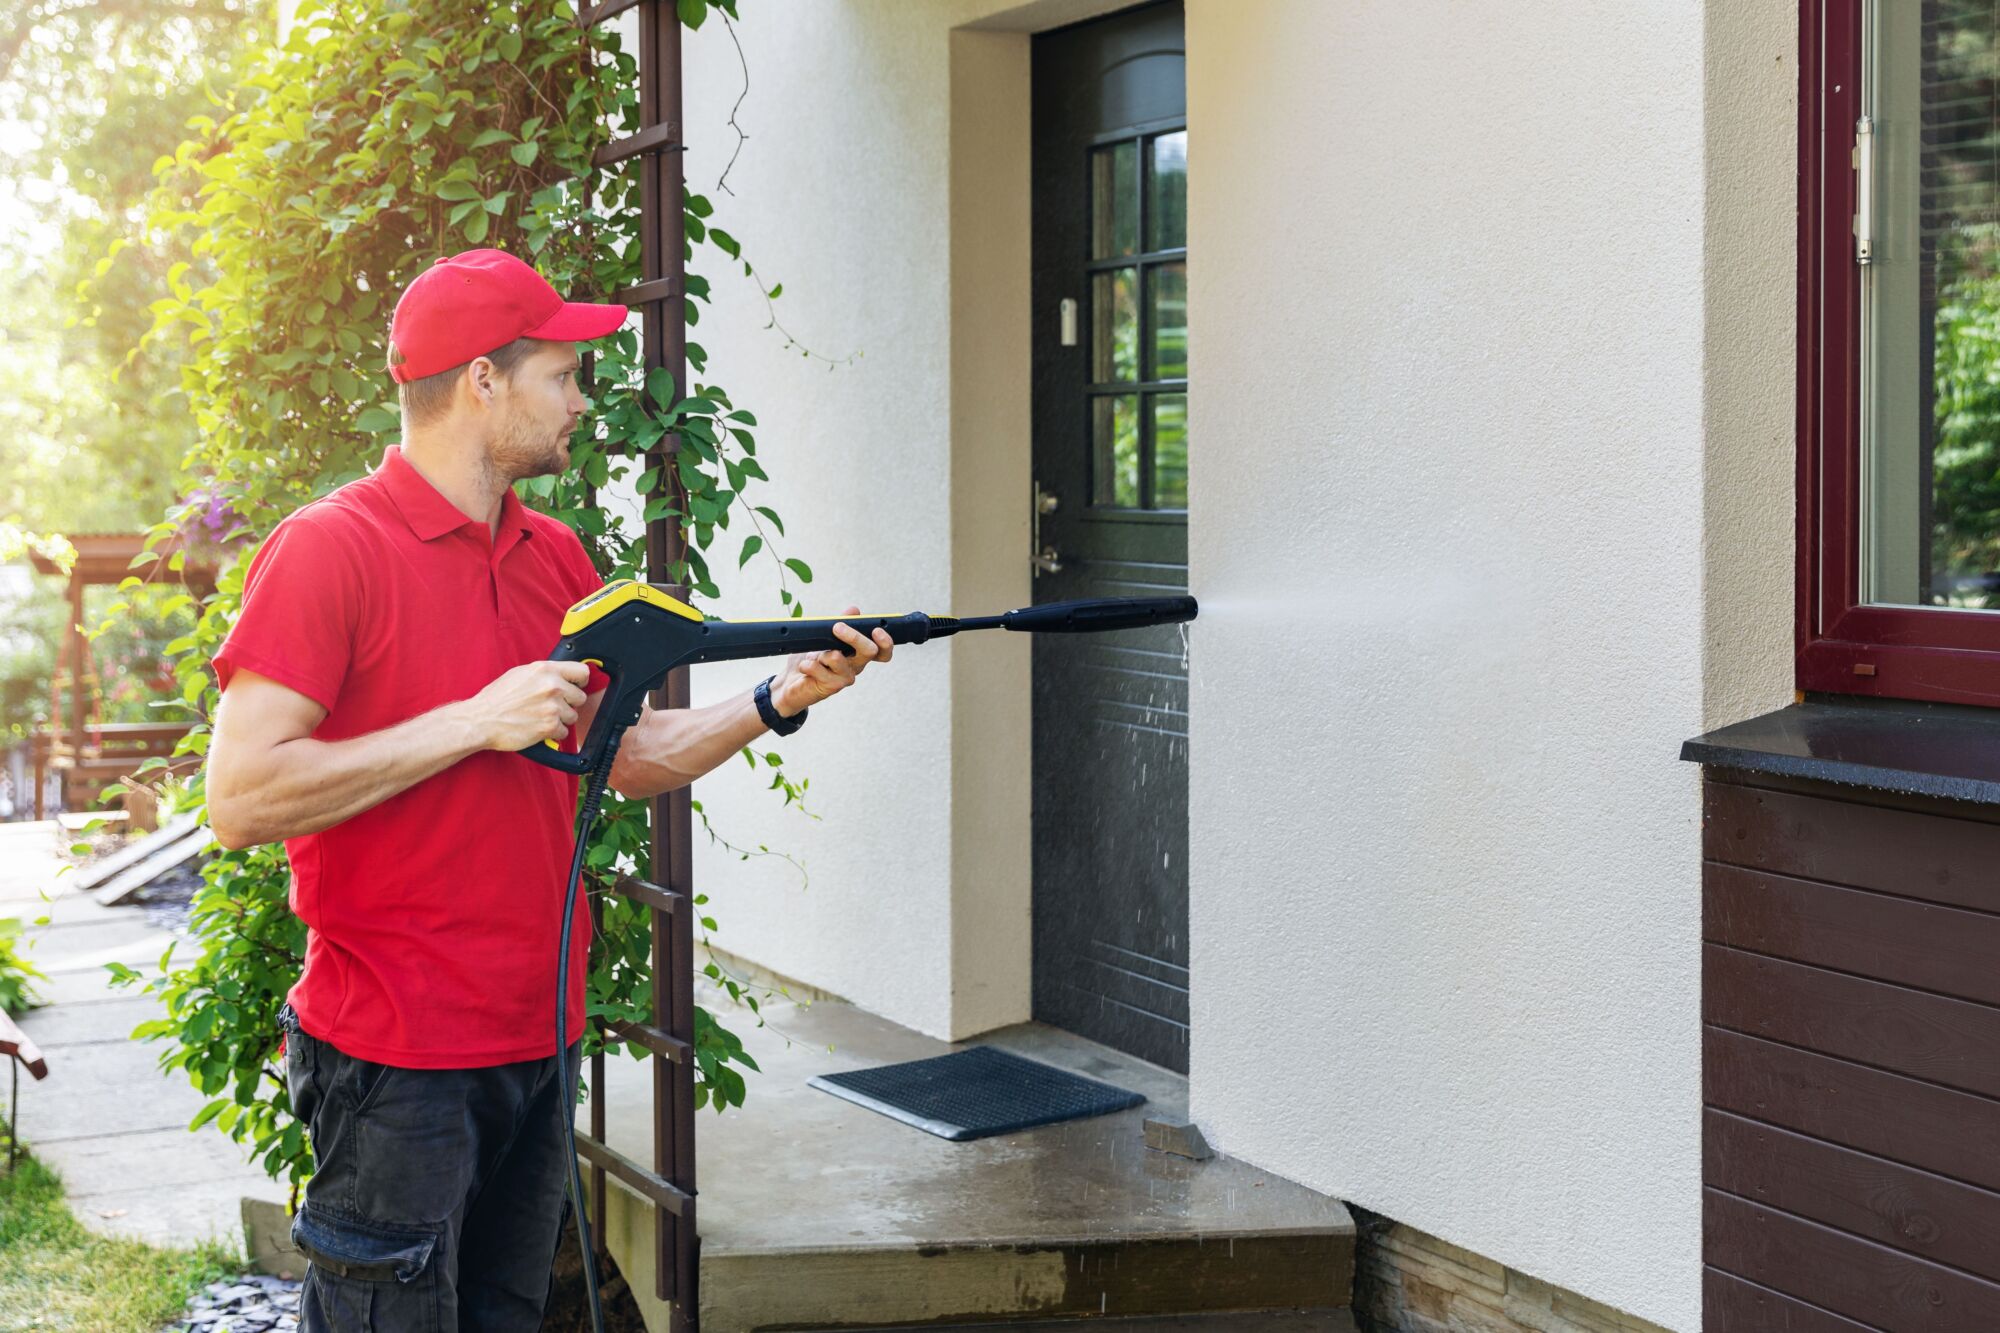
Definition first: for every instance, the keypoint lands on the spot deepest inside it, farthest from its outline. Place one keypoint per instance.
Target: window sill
(1916, 749)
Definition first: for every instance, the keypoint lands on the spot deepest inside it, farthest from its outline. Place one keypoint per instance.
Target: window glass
(1114, 200)
(1169, 450)
(1114, 327)
(1114, 441)
(1138, 334)
(1166, 315)
(1166, 191)
(1930, 301)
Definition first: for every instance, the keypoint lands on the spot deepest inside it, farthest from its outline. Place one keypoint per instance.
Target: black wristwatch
(782, 726)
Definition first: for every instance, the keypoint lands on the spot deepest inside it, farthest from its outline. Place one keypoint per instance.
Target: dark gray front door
(1110, 421)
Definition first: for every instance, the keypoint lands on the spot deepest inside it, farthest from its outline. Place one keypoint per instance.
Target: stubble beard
(525, 450)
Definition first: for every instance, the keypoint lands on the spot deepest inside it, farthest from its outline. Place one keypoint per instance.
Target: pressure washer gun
(636, 634)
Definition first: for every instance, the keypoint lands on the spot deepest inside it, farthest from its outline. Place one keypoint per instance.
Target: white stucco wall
(1449, 331)
(840, 193)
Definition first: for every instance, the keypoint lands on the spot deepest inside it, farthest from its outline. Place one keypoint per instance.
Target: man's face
(537, 412)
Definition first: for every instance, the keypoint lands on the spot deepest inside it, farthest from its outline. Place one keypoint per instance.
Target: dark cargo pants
(438, 1199)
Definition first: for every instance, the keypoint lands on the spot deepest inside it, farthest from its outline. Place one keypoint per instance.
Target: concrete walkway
(108, 1119)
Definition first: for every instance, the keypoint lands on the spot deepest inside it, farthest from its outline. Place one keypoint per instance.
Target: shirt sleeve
(583, 581)
(300, 612)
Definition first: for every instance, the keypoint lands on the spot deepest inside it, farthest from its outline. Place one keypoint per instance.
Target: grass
(55, 1274)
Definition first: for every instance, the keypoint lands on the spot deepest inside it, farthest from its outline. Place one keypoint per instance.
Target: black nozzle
(1090, 616)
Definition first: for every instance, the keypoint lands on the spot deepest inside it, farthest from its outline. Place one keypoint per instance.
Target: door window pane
(1166, 315)
(1114, 200)
(1114, 440)
(1166, 192)
(1930, 422)
(1169, 450)
(1114, 327)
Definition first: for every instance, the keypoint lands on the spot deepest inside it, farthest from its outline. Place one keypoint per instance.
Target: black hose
(599, 779)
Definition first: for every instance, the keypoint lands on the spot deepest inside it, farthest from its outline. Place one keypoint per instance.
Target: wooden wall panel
(1730, 1302)
(1878, 1200)
(1870, 934)
(1851, 1061)
(1875, 1284)
(1904, 1031)
(1908, 852)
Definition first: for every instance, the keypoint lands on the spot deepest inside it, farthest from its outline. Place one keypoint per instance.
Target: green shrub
(16, 971)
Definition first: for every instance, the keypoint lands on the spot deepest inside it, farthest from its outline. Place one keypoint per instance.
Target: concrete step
(1288, 1321)
(819, 1214)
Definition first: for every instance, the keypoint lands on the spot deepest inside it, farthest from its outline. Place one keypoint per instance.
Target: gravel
(252, 1303)
(168, 898)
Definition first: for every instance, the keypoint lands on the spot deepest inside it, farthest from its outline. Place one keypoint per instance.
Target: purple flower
(215, 514)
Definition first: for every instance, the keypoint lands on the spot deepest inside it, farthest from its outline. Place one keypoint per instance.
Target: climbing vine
(382, 134)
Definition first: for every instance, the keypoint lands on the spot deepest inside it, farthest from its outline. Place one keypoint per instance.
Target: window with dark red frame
(1899, 349)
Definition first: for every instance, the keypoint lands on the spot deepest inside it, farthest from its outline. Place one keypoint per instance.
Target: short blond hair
(425, 400)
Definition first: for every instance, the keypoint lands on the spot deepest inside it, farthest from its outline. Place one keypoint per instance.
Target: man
(386, 664)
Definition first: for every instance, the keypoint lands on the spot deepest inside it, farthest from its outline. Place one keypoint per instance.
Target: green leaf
(692, 12)
(510, 46)
(660, 386)
(751, 545)
(772, 515)
(725, 241)
(475, 230)
(524, 153)
(377, 419)
(457, 189)
(486, 139)
(799, 567)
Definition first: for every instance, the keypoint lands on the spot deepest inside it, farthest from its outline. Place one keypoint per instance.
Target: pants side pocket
(366, 1275)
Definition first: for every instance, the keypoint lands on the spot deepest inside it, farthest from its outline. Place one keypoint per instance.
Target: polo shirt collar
(428, 512)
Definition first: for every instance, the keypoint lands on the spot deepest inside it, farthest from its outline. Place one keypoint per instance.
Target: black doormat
(976, 1092)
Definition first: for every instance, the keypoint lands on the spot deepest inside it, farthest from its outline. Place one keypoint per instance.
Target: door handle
(1043, 557)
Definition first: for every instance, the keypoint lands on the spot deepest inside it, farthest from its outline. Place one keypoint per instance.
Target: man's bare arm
(270, 779)
(668, 750)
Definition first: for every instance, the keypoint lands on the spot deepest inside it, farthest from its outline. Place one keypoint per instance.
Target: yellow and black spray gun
(636, 634)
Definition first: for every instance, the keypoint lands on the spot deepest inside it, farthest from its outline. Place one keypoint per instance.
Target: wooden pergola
(89, 753)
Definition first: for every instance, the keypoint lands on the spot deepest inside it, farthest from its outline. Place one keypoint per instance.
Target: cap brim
(579, 321)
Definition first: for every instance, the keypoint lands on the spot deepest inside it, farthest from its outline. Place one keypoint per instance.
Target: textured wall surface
(839, 194)
(1750, 366)
(1448, 531)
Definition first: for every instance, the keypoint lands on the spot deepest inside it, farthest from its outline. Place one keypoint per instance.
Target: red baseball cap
(466, 305)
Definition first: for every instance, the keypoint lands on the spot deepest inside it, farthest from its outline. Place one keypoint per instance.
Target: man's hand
(532, 703)
(811, 677)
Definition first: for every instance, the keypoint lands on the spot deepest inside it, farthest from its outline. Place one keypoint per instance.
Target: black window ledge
(1943, 750)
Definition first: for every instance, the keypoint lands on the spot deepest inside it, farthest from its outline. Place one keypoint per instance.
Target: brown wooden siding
(1850, 1061)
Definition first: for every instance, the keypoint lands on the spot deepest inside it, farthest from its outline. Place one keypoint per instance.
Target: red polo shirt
(433, 915)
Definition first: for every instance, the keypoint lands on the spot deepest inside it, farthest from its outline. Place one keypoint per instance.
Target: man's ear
(482, 381)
